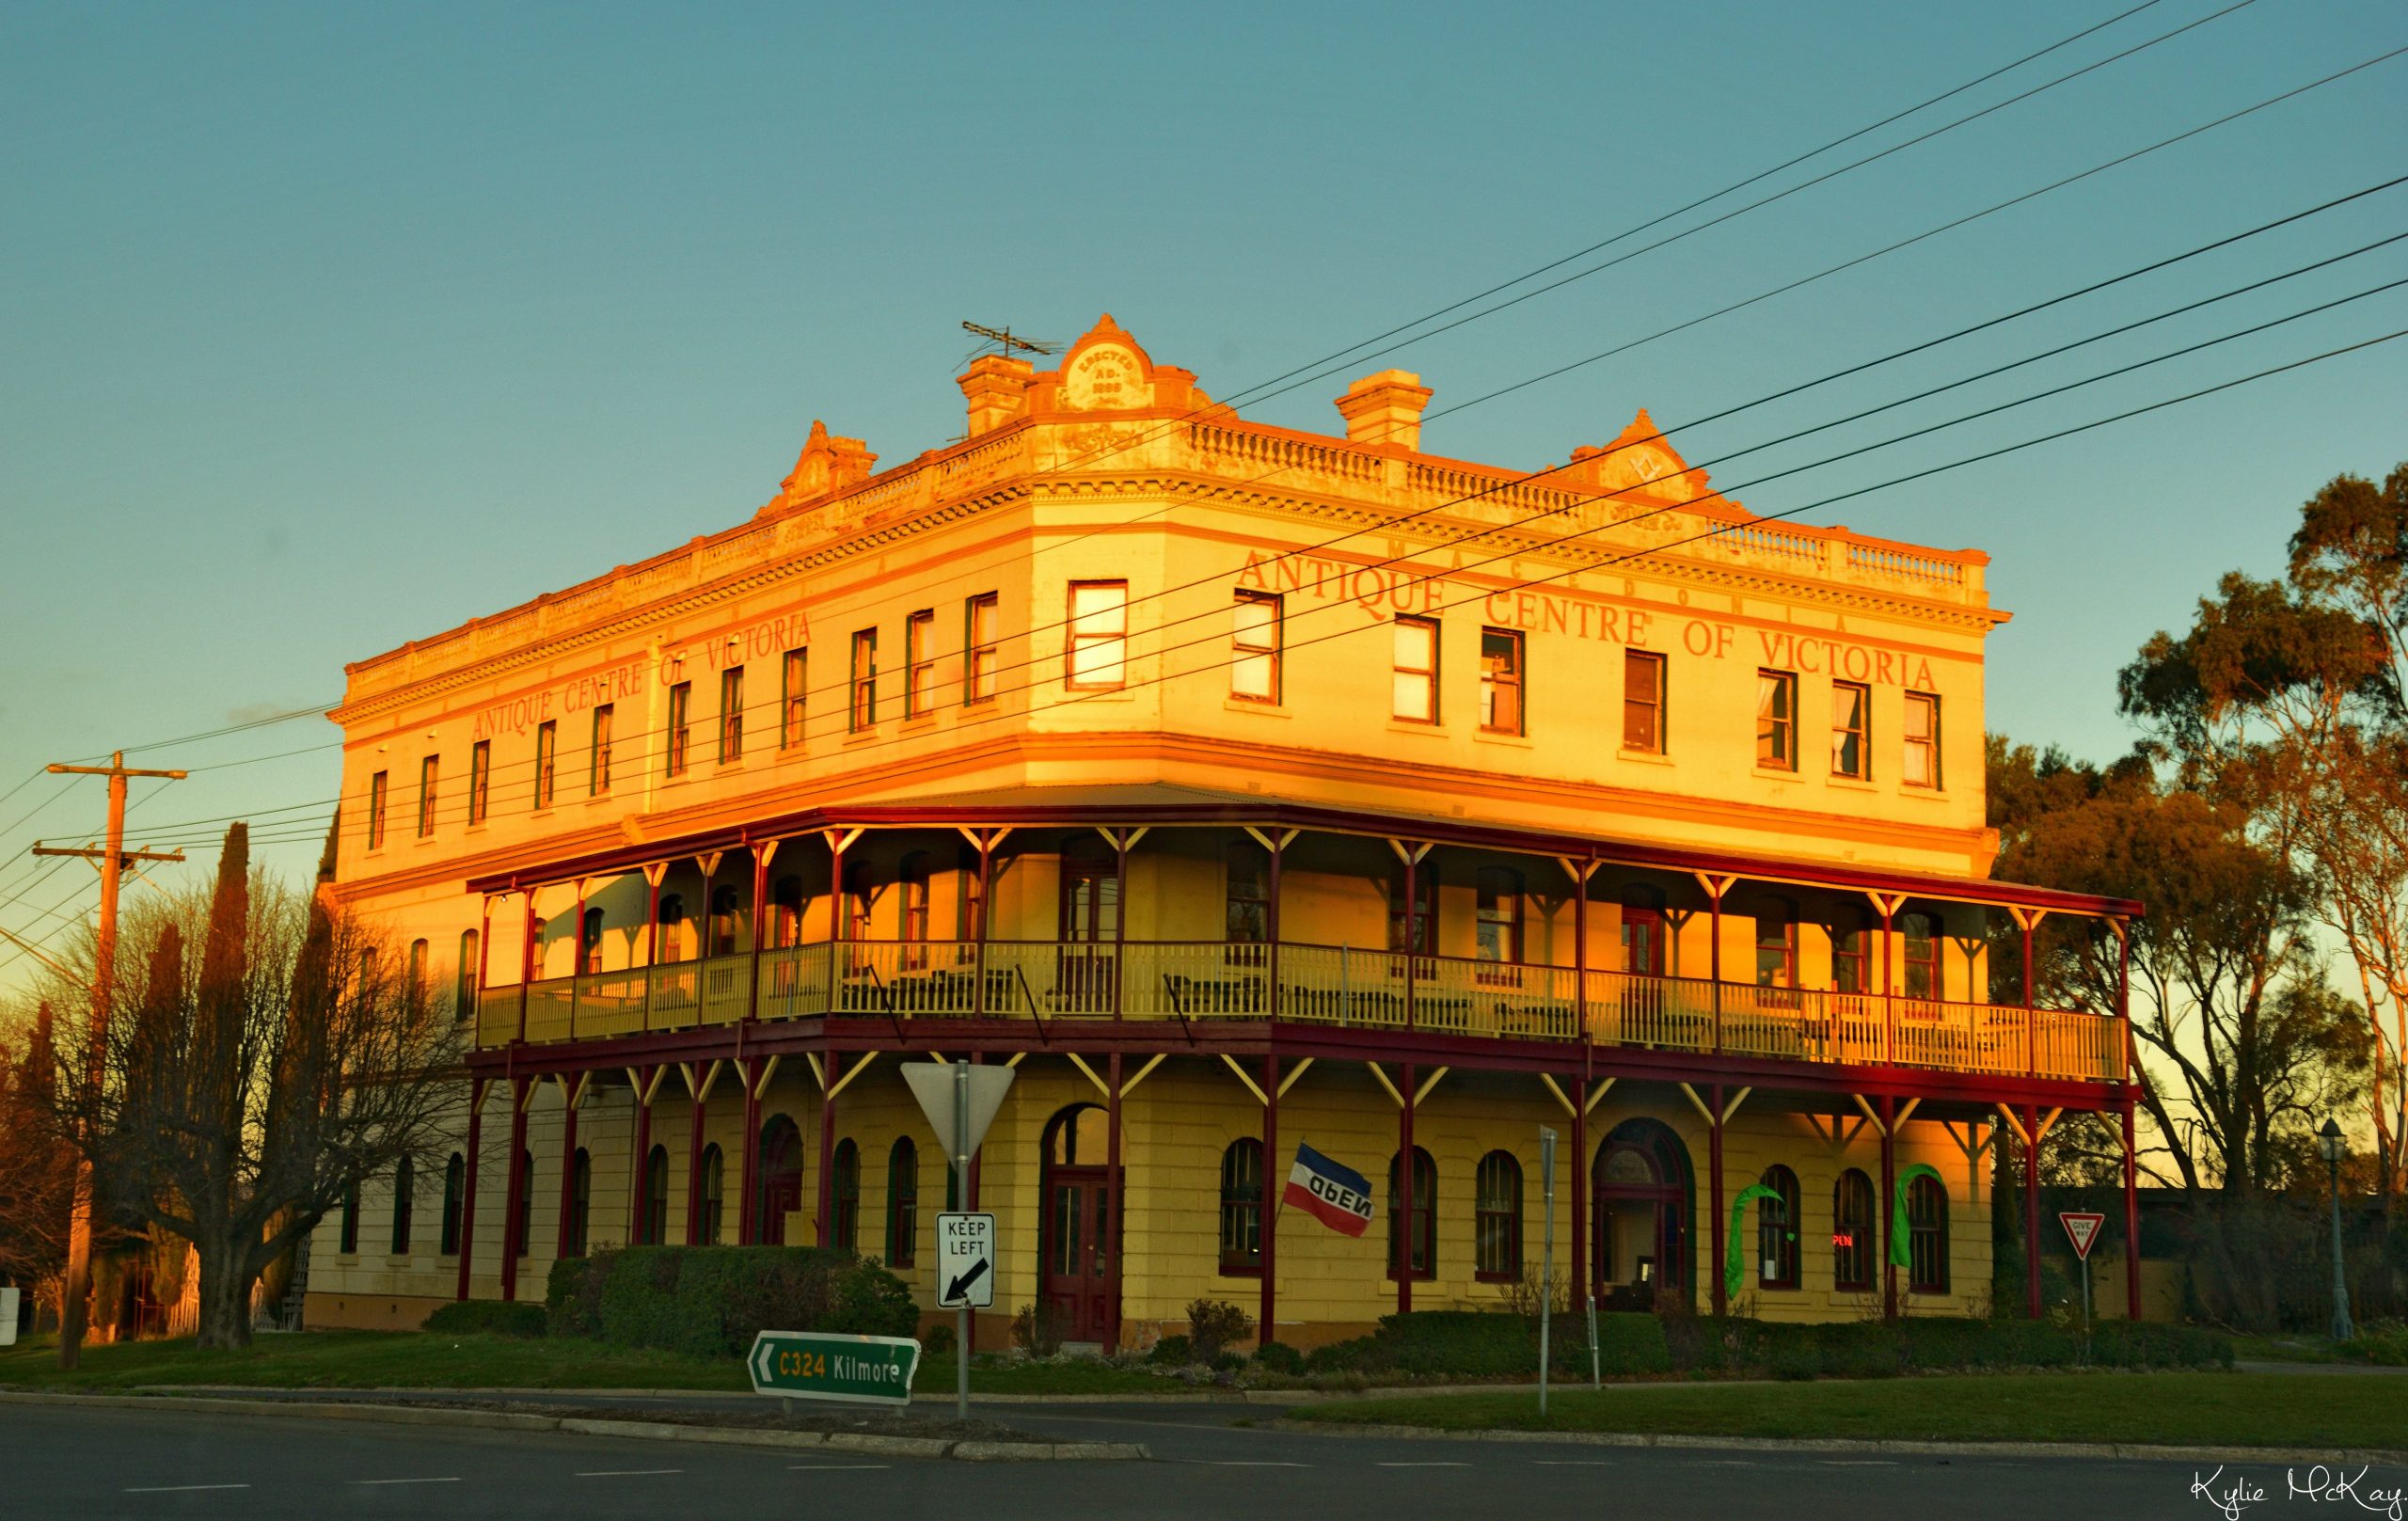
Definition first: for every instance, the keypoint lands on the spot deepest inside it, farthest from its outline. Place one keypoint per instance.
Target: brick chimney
(997, 391)
(1385, 408)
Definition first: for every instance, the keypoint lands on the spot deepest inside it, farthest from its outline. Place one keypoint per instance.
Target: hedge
(1493, 1344)
(711, 1301)
(488, 1316)
(1883, 1349)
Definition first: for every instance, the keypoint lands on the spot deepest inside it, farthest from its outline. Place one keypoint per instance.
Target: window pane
(1776, 719)
(1254, 667)
(1099, 649)
(1414, 694)
(1849, 705)
(1642, 702)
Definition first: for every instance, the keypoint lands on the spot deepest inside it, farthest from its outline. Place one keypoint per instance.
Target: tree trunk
(224, 1294)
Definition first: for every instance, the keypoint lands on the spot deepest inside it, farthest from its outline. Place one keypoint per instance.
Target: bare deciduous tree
(242, 1096)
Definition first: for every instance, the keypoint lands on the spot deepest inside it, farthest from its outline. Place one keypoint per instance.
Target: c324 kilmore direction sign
(816, 1365)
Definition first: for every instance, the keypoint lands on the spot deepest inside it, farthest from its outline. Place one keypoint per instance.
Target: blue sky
(325, 328)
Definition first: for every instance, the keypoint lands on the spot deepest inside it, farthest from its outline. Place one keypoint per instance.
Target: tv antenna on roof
(1007, 343)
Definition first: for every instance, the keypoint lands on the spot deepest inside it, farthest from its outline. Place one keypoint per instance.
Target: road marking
(1425, 1464)
(1570, 1463)
(1858, 1463)
(452, 1480)
(626, 1473)
(180, 1489)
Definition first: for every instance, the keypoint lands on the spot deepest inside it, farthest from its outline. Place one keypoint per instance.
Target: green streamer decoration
(1901, 1254)
(1735, 1259)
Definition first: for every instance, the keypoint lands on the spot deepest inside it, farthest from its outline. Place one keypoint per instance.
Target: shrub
(1038, 1329)
(937, 1342)
(711, 1301)
(1491, 1345)
(1171, 1352)
(573, 1299)
(2379, 1342)
(488, 1317)
(1214, 1325)
(1279, 1357)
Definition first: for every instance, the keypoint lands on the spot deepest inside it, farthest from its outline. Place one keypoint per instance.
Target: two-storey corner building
(1240, 788)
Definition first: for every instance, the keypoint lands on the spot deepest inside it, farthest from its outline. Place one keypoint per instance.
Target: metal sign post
(1547, 1255)
(2082, 1228)
(962, 1147)
(961, 1102)
(1597, 1377)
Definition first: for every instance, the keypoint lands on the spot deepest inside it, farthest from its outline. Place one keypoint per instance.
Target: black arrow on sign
(962, 1285)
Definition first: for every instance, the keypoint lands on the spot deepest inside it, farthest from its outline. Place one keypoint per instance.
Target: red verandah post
(2032, 1212)
(1886, 1213)
(2131, 1159)
(469, 1180)
(1714, 1168)
(1265, 1331)
(1403, 1175)
(514, 1191)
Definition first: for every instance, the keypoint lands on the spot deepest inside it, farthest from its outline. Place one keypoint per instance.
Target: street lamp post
(2328, 1141)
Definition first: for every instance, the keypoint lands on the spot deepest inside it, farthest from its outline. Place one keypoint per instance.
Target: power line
(1030, 633)
(446, 812)
(451, 810)
(1259, 393)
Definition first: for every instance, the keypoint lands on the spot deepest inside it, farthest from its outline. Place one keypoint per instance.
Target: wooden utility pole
(112, 859)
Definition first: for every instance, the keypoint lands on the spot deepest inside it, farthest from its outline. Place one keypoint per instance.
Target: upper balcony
(1220, 984)
(1115, 917)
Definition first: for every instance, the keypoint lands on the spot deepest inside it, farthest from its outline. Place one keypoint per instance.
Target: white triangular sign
(2083, 1228)
(932, 1084)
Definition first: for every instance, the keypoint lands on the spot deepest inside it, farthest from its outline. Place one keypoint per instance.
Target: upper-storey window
(1642, 702)
(1920, 942)
(426, 772)
(1922, 769)
(479, 779)
(1247, 898)
(1776, 942)
(681, 700)
(597, 764)
(1643, 941)
(1415, 685)
(1776, 721)
(1851, 730)
(1098, 643)
(1851, 958)
(863, 711)
(1254, 647)
(982, 648)
(792, 674)
(920, 663)
(1497, 906)
(547, 746)
(377, 811)
(731, 714)
(1501, 680)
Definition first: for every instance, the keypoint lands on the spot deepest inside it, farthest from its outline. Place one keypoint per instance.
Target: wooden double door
(1080, 1279)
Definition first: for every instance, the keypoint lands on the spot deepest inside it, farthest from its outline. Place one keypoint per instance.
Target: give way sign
(2082, 1226)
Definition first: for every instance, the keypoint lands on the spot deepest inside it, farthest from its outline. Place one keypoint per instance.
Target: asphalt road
(75, 1462)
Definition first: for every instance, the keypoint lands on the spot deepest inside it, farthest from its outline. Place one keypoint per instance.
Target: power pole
(112, 860)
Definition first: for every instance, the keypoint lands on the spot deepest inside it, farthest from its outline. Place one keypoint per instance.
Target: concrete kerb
(862, 1442)
(2130, 1451)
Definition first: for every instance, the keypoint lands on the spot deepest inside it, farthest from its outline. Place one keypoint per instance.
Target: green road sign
(814, 1365)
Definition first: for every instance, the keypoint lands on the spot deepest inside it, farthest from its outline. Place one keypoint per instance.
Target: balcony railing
(1325, 985)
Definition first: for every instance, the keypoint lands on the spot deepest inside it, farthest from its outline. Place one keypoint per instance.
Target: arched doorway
(1645, 1202)
(780, 1189)
(1080, 1278)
